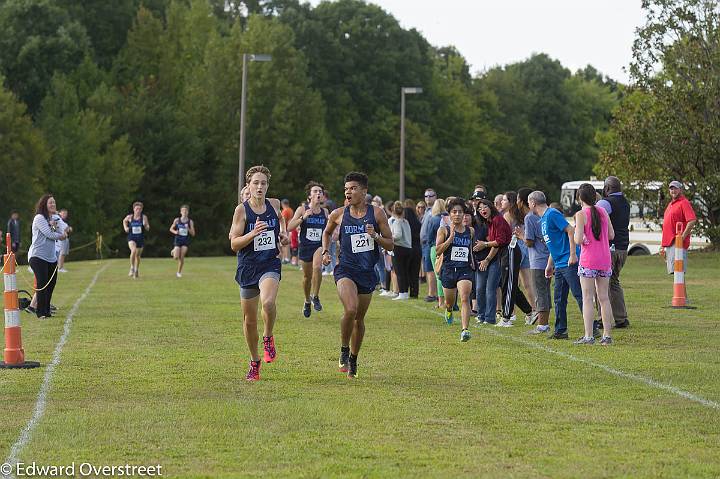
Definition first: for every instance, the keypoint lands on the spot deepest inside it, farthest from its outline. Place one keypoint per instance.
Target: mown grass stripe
(41, 401)
(616, 372)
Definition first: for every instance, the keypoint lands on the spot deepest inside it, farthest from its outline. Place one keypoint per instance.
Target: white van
(647, 205)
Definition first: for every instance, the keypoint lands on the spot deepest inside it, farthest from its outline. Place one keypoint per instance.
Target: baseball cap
(478, 195)
(676, 184)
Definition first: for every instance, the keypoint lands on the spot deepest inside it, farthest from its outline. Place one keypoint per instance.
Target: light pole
(403, 92)
(243, 105)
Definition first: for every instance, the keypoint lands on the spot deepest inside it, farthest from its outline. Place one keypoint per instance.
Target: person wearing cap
(679, 210)
(476, 196)
(618, 208)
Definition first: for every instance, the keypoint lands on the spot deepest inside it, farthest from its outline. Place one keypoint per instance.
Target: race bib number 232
(265, 241)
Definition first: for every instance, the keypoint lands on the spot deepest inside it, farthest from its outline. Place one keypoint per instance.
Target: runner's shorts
(449, 277)
(364, 280)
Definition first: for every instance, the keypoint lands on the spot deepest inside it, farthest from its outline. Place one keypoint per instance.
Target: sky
(497, 32)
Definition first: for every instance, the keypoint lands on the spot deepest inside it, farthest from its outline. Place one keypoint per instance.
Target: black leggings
(401, 265)
(414, 279)
(43, 271)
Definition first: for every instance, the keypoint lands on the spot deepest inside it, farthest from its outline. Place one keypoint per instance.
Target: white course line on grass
(49, 370)
(615, 372)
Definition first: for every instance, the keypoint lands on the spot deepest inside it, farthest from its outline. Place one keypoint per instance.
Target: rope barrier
(30, 285)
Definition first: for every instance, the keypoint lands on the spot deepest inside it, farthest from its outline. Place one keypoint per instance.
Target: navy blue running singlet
(265, 247)
(358, 251)
(459, 254)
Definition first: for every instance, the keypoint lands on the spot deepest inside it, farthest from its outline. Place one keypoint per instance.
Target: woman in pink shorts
(593, 230)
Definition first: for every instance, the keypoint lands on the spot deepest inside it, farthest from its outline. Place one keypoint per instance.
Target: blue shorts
(364, 280)
(306, 252)
(248, 275)
(181, 241)
(450, 277)
(139, 240)
(427, 263)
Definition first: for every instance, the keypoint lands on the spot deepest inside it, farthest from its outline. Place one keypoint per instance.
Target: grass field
(152, 373)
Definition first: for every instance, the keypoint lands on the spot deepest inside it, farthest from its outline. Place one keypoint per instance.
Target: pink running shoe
(269, 349)
(254, 373)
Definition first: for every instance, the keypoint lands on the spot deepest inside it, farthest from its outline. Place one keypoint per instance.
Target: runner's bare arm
(126, 225)
(192, 228)
(284, 236)
(237, 239)
(173, 227)
(146, 223)
(333, 222)
(297, 218)
(442, 241)
(386, 238)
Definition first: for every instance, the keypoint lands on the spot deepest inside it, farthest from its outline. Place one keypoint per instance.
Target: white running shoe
(179, 275)
(402, 296)
(132, 272)
(504, 324)
(62, 270)
(512, 318)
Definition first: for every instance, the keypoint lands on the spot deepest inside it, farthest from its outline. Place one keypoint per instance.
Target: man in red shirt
(678, 211)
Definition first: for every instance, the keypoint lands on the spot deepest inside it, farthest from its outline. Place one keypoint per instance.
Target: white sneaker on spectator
(504, 324)
(401, 296)
(384, 292)
(539, 330)
(62, 270)
(179, 275)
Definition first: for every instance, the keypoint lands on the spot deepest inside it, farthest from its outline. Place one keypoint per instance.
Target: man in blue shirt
(562, 262)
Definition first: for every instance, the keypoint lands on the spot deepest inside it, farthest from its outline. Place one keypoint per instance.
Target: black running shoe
(622, 324)
(316, 303)
(352, 366)
(344, 360)
(558, 336)
(306, 310)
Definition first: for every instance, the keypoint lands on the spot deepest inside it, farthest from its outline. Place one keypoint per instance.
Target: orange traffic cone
(14, 355)
(679, 299)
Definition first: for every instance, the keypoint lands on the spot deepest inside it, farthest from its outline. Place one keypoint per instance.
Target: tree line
(104, 103)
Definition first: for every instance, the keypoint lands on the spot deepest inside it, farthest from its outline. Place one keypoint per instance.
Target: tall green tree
(668, 127)
(548, 119)
(23, 155)
(39, 37)
(91, 172)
